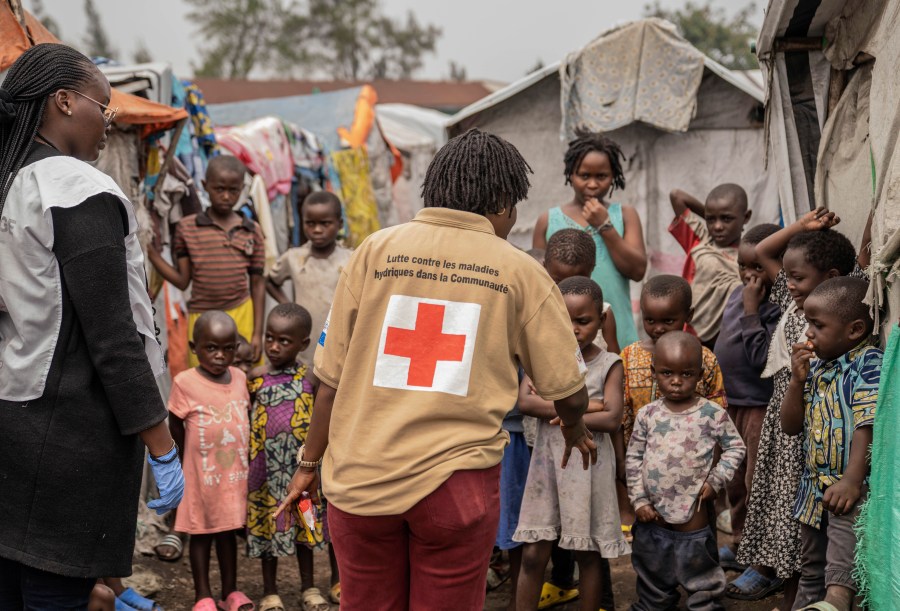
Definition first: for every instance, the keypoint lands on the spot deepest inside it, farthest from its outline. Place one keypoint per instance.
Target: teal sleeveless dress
(616, 289)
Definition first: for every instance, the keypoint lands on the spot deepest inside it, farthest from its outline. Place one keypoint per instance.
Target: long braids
(586, 142)
(39, 72)
(476, 172)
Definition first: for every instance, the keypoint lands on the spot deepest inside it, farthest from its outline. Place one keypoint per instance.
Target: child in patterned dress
(578, 507)
(282, 395)
(673, 476)
(770, 545)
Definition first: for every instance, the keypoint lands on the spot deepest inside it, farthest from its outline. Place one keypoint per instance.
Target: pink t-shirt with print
(216, 441)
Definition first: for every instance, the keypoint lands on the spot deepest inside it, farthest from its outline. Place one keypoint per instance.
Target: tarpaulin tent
(833, 125)
(343, 119)
(693, 125)
(15, 40)
(418, 133)
(833, 118)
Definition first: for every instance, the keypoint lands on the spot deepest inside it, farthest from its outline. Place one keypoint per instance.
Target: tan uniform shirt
(314, 281)
(428, 323)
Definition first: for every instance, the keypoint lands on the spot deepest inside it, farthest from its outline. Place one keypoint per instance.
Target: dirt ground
(177, 592)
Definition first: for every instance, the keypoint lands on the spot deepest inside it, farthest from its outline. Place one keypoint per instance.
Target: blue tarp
(320, 113)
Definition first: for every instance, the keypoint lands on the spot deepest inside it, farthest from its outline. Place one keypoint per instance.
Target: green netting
(878, 527)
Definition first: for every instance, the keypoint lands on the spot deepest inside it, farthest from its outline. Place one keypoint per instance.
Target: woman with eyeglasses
(78, 352)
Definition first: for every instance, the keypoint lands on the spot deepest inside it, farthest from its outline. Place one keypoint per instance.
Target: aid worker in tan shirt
(418, 365)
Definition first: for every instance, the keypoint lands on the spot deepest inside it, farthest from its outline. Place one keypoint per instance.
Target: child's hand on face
(818, 219)
(754, 293)
(840, 498)
(594, 212)
(646, 514)
(801, 355)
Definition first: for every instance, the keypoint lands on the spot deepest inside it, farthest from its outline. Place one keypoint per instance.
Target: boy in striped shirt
(219, 254)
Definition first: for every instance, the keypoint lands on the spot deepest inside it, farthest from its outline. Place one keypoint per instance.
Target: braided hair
(39, 72)
(476, 172)
(586, 142)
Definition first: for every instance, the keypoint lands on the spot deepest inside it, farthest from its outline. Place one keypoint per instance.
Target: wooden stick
(170, 154)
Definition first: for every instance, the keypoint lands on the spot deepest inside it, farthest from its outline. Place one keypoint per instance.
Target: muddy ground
(177, 591)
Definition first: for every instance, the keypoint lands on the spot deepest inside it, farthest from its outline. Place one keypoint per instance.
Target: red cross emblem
(425, 345)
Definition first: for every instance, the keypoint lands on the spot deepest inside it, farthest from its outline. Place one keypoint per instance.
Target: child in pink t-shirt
(209, 408)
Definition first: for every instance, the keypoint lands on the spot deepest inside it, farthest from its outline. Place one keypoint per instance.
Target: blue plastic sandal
(136, 601)
(753, 585)
(728, 561)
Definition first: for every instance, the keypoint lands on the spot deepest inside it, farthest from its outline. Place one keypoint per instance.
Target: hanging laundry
(195, 104)
(264, 148)
(360, 207)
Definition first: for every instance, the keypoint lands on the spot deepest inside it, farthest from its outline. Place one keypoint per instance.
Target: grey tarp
(723, 143)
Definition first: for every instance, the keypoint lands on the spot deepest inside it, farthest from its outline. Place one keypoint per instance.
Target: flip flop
(314, 601)
(753, 585)
(122, 606)
(335, 593)
(272, 602)
(552, 595)
(174, 541)
(237, 601)
(728, 561)
(136, 601)
(205, 604)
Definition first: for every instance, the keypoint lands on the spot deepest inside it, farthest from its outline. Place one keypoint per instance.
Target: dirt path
(178, 592)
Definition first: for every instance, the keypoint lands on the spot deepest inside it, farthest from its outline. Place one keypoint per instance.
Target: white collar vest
(30, 285)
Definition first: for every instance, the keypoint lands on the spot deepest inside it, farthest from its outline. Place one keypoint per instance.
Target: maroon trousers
(432, 557)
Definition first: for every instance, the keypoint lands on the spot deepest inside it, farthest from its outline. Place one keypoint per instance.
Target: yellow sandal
(552, 595)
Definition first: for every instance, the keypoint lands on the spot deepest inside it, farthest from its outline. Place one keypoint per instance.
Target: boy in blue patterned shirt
(832, 403)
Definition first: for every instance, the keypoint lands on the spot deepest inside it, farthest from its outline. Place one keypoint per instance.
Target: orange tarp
(132, 109)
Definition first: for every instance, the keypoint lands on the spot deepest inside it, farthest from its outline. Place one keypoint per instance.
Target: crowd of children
(754, 383)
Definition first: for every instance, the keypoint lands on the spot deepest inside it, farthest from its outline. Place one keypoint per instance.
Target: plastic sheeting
(641, 71)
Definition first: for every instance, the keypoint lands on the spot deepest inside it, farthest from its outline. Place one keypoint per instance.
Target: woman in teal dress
(593, 166)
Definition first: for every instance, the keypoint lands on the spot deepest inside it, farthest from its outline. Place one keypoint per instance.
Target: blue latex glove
(169, 480)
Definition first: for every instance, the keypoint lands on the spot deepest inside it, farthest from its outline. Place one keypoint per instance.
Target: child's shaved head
(572, 247)
(683, 343)
(845, 298)
(674, 287)
(729, 192)
(225, 163)
(222, 322)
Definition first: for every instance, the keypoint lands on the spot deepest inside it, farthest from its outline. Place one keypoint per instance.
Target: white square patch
(427, 345)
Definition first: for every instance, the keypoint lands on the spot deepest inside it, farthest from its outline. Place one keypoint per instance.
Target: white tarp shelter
(417, 133)
(833, 118)
(682, 120)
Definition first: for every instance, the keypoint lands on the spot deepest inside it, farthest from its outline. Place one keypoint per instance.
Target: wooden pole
(798, 44)
(170, 154)
(836, 86)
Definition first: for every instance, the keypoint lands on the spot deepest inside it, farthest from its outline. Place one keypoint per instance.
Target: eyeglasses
(109, 114)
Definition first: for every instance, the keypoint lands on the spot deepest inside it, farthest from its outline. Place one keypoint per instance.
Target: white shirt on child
(314, 281)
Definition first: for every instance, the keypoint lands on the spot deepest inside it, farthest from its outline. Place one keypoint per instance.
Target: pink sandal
(237, 601)
(205, 604)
